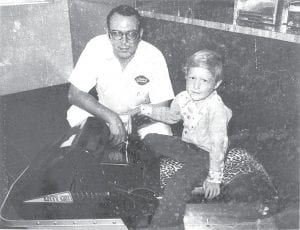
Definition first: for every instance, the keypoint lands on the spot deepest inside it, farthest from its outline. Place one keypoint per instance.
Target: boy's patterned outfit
(204, 122)
(205, 125)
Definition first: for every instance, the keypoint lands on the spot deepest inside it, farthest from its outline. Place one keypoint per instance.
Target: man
(126, 71)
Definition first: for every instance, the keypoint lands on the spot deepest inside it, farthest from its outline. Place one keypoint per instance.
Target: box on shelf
(256, 13)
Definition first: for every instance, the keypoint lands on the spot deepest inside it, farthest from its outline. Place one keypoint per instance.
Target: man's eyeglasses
(131, 35)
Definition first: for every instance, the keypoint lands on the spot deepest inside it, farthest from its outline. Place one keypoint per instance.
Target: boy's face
(200, 83)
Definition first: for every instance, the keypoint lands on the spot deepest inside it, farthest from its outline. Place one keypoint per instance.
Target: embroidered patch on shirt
(141, 80)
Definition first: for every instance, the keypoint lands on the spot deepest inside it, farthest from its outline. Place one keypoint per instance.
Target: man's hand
(117, 130)
(211, 190)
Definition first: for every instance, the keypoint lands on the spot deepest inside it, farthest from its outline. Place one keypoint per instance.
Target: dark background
(261, 87)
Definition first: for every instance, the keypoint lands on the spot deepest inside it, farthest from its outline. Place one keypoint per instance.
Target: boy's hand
(211, 190)
(146, 109)
(133, 112)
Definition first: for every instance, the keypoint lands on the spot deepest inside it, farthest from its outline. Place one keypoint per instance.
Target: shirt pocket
(139, 93)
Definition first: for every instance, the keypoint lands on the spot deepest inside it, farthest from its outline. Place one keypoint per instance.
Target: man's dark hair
(123, 10)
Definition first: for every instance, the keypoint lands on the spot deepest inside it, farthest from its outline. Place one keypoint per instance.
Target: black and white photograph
(149, 114)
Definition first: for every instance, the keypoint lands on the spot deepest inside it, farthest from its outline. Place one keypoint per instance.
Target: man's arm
(88, 103)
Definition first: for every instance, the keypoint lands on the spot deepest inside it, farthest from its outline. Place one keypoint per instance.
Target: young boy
(205, 118)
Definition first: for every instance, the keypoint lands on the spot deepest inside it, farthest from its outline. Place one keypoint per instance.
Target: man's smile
(123, 49)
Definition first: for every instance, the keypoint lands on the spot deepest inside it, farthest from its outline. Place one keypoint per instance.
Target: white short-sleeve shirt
(145, 79)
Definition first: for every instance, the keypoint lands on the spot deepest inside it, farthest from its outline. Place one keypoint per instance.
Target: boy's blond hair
(208, 59)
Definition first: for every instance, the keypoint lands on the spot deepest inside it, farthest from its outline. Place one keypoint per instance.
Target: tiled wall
(88, 19)
(35, 46)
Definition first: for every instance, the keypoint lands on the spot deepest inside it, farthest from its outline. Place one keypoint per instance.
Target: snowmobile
(80, 181)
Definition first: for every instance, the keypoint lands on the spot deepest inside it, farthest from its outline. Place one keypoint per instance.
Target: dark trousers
(178, 190)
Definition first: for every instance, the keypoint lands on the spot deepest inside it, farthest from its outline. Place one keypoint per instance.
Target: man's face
(122, 33)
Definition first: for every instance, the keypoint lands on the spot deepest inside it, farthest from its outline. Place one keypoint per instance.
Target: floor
(30, 121)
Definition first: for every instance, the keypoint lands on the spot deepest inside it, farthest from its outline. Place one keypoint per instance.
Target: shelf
(223, 26)
(23, 2)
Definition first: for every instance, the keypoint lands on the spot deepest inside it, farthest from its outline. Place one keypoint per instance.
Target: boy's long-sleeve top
(205, 125)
